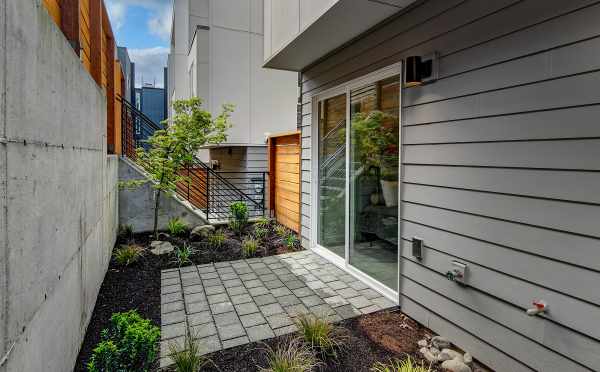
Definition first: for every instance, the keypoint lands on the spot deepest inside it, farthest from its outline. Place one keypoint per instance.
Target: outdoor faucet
(539, 306)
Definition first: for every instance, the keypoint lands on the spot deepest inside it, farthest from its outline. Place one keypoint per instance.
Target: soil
(138, 286)
(372, 338)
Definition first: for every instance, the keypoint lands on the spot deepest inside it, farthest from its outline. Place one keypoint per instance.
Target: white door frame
(344, 263)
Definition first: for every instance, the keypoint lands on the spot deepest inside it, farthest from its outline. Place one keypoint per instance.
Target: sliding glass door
(332, 174)
(358, 164)
(374, 169)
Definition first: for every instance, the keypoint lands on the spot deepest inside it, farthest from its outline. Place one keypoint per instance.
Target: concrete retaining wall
(58, 195)
(136, 207)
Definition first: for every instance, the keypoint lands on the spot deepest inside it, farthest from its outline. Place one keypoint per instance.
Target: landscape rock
(455, 365)
(443, 356)
(451, 354)
(467, 358)
(163, 236)
(159, 248)
(422, 343)
(434, 351)
(429, 355)
(440, 342)
(202, 232)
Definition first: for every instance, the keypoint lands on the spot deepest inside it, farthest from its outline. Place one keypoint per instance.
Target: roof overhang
(341, 23)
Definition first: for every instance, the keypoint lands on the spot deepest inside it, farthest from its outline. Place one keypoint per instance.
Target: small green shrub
(238, 216)
(128, 254)
(177, 226)
(183, 255)
(260, 232)
(130, 342)
(399, 366)
(281, 231)
(216, 239)
(249, 246)
(263, 222)
(105, 357)
(187, 358)
(291, 356)
(291, 241)
(320, 334)
(125, 232)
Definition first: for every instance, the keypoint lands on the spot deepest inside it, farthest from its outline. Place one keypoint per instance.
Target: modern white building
(483, 170)
(217, 55)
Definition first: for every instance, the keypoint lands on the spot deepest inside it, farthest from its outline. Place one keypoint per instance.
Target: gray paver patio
(227, 304)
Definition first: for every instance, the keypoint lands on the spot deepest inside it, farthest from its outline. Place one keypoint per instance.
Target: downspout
(4, 349)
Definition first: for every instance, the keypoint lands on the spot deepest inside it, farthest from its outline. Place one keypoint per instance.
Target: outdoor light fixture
(420, 70)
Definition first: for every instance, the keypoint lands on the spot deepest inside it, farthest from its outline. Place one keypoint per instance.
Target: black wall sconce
(420, 70)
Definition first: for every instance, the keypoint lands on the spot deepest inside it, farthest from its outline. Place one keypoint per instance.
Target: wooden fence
(284, 182)
(86, 26)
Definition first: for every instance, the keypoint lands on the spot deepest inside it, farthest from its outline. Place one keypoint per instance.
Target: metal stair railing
(204, 188)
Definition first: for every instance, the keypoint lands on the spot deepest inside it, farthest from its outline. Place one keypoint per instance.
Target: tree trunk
(156, 207)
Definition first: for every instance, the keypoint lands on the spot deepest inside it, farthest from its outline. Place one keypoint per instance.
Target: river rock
(451, 354)
(455, 365)
(440, 342)
(202, 232)
(467, 358)
(422, 343)
(159, 248)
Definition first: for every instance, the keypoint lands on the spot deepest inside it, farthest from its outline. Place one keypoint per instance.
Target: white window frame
(344, 263)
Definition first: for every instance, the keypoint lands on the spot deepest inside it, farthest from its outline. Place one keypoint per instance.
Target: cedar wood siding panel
(501, 171)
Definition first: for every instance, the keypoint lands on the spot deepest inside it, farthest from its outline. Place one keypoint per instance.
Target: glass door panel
(332, 174)
(374, 146)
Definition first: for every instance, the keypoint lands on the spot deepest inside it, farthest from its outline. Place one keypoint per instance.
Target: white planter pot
(390, 193)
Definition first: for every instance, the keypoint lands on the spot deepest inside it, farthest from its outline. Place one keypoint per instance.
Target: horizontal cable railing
(206, 189)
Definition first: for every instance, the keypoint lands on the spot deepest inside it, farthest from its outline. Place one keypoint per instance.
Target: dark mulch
(369, 341)
(138, 286)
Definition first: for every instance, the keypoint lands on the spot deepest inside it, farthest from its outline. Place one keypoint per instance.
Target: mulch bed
(138, 285)
(372, 338)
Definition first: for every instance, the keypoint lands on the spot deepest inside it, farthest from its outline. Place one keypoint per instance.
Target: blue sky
(143, 26)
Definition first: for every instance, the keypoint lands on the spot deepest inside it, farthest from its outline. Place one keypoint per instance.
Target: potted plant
(376, 147)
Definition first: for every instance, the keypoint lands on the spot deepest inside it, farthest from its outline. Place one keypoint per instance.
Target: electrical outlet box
(458, 272)
(417, 248)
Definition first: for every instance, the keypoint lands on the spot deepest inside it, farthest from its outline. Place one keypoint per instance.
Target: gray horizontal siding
(500, 170)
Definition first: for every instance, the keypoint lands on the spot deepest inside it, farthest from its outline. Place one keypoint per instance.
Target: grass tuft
(216, 239)
(128, 254)
(249, 246)
(281, 231)
(183, 255)
(291, 356)
(322, 336)
(177, 226)
(396, 365)
(187, 358)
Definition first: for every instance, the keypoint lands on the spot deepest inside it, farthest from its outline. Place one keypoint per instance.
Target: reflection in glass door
(374, 157)
(332, 174)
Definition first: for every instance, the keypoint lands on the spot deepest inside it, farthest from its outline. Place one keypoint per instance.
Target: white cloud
(158, 24)
(116, 12)
(149, 64)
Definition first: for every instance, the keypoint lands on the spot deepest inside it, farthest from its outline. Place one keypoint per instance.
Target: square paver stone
(253, 283)
(279, 320)
(235, 342)
(226, 318)
(336, 301)
(209, 344)
(247, 308)
(337, 284)
(311, 301)
(202, 317)
(232, 283)
(383, 302)
(195, 297)
(250, 320)
(231, 331)
(197, 307)
(260, 332)
(165, 298)
(173, 317)
(265, 299)
(211, 282)
(278, 292)
(288, 300)
(294, 284)
(303, 292)
(271, 309)
(218, 298)
(233, 291)
(214, 290)
(257, 291)
(229, 276)
(241, 299)
(248, 276)
(285, 330)
(223, 307)
(193, 289)
(274, 284)
(172, 331)
(204, 330)
(170, 307)
(296, 310)
(348, 293)
(347, 311)
(267, 277)
(359, 301)
(370, 293)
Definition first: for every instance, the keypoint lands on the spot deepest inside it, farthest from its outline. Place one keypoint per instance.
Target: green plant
(400, 366)
(291, 241)
(249, 246)
(260, 232)
(281, 231)
(128, 254)
(184, 254)
(129, 343)
(177, 226)
(125, 232)
(169, 150)
(262, 222)
(320, 334)
(186, 357)
(238, 216)
(216, 239)
(290, 356)
(105, 357)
